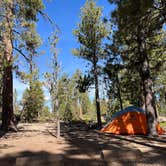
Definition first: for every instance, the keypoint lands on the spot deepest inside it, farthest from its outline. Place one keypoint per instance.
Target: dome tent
(131, 120)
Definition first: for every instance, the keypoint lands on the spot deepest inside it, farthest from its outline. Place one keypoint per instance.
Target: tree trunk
(80, 108)
(57, 118)
(119, 92)
(150, 107)
(7, 92)
(97, 99)
(80, 112)
(58, 128)
(147, 83)
(7, 100)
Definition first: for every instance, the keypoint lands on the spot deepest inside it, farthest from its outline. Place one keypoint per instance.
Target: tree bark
(147, 83)
(119, 92)
(97, 99)
(7, 100)
(79, 107)
(57, 118)
(7, 92)
(80, 112)
(151, 114)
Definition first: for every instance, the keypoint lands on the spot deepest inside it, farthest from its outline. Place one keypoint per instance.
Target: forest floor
(36, 145)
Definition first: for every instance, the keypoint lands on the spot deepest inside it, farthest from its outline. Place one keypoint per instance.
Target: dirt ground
(36, 144)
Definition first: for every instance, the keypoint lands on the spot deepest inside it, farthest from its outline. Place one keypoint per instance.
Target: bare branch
(47, 18)
(16, 32)
(18, 50)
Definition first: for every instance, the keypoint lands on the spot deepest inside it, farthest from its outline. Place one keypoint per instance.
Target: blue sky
(65, 14)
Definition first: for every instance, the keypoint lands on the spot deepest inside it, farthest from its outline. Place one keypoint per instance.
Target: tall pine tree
(16, 19)
(90, 34)
(138, 29)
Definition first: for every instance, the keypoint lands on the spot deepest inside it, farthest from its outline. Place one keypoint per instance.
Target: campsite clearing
(36, 144)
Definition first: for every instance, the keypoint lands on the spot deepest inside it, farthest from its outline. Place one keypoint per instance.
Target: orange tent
(131, 120)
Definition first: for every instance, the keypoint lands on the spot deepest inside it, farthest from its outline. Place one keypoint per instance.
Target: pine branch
(18, 50)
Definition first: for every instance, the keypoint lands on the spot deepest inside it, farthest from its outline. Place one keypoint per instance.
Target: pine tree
(65, 100)
(33, 101)
(113, 69)
(16, 104)
(85, 103)
(159, 6)
(138, 30)
(160, 89)
(16, 19)
(31, 77)
(76, 105)
(73, 104)
(52, 79)
(90, 34)
(80, 102)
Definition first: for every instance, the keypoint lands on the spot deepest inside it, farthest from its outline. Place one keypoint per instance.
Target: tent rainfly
(131, 121)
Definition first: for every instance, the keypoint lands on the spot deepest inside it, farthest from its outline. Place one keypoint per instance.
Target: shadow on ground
(90, 147)
(116, 149)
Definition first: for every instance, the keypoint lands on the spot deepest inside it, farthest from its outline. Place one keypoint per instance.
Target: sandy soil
(36, 144)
